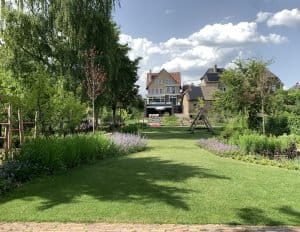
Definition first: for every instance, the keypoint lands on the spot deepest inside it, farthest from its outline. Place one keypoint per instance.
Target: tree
(122, 89)
(248, 90)
(95, 78)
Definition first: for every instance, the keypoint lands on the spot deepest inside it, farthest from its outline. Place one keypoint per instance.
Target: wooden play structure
(8, 128)
(201, 118)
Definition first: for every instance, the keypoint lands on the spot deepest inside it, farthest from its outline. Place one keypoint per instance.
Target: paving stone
(106, 227)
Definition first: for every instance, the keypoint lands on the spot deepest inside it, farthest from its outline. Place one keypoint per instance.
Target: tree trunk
(94, 117)
(114, 109)
(263, 116)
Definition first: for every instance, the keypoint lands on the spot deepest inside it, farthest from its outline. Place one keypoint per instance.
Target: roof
(296, 86)
(213, 74)
(176, 76)
(196, 92)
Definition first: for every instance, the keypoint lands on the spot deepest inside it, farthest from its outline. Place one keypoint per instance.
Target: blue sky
(192, 35)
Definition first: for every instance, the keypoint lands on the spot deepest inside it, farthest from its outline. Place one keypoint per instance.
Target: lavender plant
(128, 143)
(218, 147)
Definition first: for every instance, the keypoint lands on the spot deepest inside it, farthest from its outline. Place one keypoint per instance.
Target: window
(156, 91)
(168, 89)
(173, 90)
(160, 91)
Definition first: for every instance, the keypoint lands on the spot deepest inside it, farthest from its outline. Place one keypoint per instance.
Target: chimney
(215, 68)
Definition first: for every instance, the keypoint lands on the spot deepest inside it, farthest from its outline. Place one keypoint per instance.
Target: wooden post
(21, 127)
(9, 127)
(35, 125)
(5, 140)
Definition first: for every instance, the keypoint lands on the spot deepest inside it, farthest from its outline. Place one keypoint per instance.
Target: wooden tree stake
(35, 124)
(21, 127)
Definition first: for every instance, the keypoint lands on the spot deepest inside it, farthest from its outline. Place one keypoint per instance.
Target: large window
(173, 100)
(156, 100)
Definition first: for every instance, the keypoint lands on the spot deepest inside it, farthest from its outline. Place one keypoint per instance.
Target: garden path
(104, 227)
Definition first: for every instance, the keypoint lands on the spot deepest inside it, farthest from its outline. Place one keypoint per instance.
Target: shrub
(131, 128)
(234, 127)
(170, 121)
(218, 147)
(127, 143)
(65, 152)
(46, 155)
(294, 124)
(271, 146)
(277, 125)
(14, 172)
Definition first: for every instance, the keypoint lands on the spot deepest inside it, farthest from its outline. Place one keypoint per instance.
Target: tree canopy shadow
(291, 212)
(163, 133)
(127, 178)
(257, 216)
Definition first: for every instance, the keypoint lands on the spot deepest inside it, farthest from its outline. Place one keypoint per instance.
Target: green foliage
(272, 147)
(170, 121)
(67, 109)
(45, 44)
(277, 125)
(234, 127)
(248, 89)
(66, 152)
(294, 124)
(130, 128)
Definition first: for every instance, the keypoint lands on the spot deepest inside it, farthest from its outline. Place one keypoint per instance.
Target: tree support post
(35, 125)
(21, 127)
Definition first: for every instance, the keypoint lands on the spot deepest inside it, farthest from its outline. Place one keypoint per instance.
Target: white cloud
(262, 16)
(213, 44)
(232, 34)
(290, 18)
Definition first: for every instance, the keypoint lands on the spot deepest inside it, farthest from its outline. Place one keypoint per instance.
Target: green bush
(170, 121)
(66, 152)
(130, 128)
(271, 146)
(294, 124)
(234, 127)
(278, 125)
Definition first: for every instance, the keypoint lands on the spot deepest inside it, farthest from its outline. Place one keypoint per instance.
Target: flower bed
(232, 151)
(218, 147)
(128, 143)
(47, 155)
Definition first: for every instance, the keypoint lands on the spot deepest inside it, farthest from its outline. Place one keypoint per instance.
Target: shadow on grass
(121, 179)
(289, 211)
(162, 133)
(257, 216)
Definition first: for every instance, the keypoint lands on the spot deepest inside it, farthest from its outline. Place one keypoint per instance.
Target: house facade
(212, 77)
(163, 92)
(191, 97)
(210, 82)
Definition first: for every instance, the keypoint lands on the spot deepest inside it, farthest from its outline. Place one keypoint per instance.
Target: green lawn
(174, 181)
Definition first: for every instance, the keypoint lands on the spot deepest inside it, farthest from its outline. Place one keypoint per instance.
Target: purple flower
(128, 142)
(218, 147)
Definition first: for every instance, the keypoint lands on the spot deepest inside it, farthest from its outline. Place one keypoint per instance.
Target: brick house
(163, 92)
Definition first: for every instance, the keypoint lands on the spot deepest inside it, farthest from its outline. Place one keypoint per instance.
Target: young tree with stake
(95, 78)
